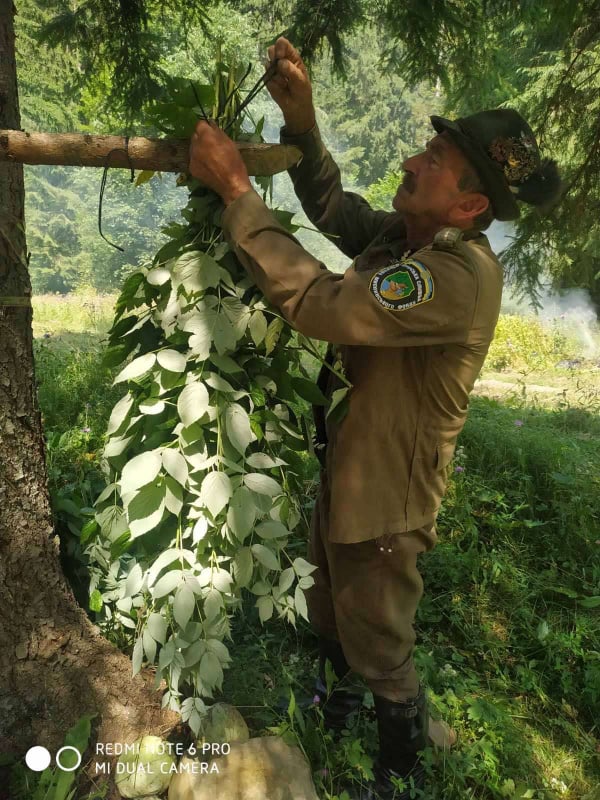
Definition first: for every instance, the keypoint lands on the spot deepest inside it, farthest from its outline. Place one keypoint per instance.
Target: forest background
(516, 637)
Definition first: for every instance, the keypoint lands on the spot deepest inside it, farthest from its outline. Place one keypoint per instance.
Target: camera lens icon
(38, 758)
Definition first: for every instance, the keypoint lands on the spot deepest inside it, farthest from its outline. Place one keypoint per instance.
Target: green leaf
(258, 327)
(300, 603)
(134, 581)
(119, 414)
(237, 425)
(183, 605)
(193, 402)
(216, 491)
(173, 496)
(286, 579)
(273, 334)
(262, 484)
(241, 513)
(171, 360)
(218, 383)
(339, 404)
(149, 646)
(224, 335)
(265, 608)
(196, 271)
(158, 276)
(115, 447)
(201, 325)
(308, 390)
(302, 567)
(144, 176)
(157, 627)
(141, 470)
(226, 364)
(271, 529)
(264, 461)
(265, 556)
(176, 465)
(136, 368)
(243, 564)
(589, 602)
(167, 584)
(211, 672)
(152, 407)
(95, 602)
(145, 510)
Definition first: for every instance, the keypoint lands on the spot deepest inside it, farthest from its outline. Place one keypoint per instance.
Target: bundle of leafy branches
(202, 455)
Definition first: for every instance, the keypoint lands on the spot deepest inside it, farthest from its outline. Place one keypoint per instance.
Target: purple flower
(459, 469)
(86, 430)
(518, 423)
(316, 700)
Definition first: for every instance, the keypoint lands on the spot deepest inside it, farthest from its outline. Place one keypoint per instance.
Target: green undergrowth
(509, 625)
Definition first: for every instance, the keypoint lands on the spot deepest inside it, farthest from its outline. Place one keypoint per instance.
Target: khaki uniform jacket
(412, 351)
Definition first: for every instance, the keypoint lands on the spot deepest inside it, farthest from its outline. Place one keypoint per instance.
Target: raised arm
(316, 179)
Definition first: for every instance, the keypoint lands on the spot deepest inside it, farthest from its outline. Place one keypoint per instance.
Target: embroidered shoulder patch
(402, 285)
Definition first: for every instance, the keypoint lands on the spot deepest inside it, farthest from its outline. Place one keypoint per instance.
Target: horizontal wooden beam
(161, 155)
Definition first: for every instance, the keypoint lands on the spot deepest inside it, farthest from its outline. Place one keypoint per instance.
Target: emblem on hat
(402, 285)
(518, 156)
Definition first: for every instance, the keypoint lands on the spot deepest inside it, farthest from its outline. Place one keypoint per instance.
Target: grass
(509, 629)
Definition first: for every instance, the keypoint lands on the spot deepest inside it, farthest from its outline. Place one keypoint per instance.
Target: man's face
(430, 190)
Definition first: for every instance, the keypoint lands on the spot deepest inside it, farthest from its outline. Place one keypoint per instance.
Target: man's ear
(470, 205)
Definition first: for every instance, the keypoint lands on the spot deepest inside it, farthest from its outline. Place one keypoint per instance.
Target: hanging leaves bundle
(202, 450)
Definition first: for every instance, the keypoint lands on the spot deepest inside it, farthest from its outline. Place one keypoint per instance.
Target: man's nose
(411, 164)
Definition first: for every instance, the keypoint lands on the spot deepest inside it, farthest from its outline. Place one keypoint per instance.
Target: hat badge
(517, 156)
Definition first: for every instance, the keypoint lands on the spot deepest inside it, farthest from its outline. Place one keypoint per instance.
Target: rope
(103, 186)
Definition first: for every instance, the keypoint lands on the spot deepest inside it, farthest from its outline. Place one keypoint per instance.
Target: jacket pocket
(444, 452)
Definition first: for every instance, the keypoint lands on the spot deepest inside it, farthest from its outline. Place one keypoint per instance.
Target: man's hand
(217, 163)
(290, 87)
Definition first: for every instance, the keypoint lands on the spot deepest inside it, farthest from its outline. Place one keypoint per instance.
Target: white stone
(264, 768)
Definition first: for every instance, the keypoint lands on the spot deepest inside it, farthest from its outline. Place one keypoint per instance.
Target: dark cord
(103, 186)
(254, 91)
(199, 102)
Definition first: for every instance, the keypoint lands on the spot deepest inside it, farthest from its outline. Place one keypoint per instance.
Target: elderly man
(411, 321)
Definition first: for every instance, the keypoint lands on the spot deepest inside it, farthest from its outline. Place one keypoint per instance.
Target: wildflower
(518, 423)
(86, 430)
(316, 700)
(47, 336)
(459, 469)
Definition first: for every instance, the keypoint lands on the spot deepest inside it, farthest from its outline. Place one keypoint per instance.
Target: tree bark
(161, 155)
(54, 664)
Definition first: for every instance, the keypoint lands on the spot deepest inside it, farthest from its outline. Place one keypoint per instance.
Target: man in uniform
(411, 321)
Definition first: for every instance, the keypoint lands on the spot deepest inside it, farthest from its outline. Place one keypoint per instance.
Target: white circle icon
(37, 758)
(62, 750)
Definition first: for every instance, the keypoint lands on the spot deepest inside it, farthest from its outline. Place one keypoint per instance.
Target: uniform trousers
(365, 596)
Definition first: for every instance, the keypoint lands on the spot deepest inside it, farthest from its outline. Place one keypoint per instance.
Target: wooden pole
(161, 155)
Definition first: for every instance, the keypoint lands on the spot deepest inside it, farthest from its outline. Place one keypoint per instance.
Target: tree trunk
(54, 664)
(161, 155)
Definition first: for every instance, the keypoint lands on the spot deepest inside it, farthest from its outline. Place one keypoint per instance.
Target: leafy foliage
(197, 506)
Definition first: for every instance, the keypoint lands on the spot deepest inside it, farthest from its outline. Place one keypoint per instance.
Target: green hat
(502, 149)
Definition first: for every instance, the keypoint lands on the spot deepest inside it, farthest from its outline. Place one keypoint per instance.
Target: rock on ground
(264, 768)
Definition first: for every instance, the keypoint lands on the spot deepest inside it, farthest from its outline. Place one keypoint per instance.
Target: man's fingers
(290, 71)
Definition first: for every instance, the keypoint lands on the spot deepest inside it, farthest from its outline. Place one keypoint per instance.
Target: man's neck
(420, 232)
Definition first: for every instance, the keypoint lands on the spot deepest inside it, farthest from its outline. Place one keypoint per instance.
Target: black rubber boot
(403, 729)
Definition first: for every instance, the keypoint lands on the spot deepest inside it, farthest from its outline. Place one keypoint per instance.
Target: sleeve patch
(402, 285)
